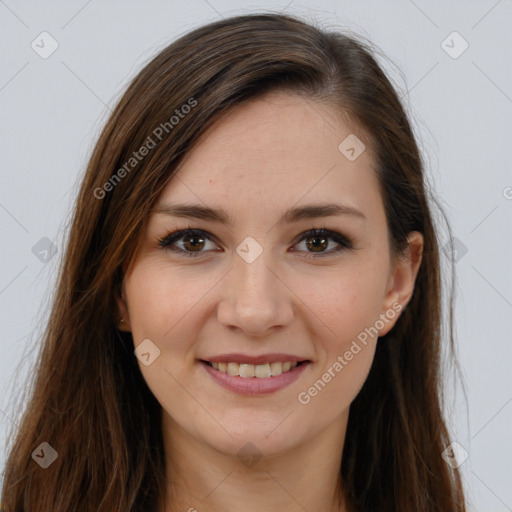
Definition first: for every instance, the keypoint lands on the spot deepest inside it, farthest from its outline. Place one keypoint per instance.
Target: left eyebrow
(314, 211)
(219, 215)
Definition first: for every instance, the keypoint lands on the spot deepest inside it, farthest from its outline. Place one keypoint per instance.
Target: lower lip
(253, 386)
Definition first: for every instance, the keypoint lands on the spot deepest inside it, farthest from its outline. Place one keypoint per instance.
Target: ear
(401, 281)
(122, 312)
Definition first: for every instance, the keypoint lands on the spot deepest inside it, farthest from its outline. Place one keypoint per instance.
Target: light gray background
(52, 110)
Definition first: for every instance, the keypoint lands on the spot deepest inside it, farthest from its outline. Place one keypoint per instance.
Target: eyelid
(343, 242)
(170, 238)
(329, 233)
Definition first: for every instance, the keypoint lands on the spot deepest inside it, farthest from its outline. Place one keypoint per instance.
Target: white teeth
(276, 369)
(246, 370)
(233, 368)
(260, 371)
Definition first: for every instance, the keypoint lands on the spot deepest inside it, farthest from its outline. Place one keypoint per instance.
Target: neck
(203, 479)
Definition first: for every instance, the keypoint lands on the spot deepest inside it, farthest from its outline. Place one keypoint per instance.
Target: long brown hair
(89, 400)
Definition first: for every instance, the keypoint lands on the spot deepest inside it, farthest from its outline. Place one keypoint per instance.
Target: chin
(261, 439)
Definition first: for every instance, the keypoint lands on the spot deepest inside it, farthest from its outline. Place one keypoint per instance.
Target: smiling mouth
(258, 371)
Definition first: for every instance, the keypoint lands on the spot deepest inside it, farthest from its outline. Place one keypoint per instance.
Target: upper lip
(262, 359)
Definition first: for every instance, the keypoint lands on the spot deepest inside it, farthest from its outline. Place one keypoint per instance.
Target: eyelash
(166, 241)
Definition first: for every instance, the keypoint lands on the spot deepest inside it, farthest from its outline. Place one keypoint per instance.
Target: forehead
(280, 148)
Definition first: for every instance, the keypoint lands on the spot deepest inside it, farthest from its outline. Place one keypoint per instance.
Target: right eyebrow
(194, 211)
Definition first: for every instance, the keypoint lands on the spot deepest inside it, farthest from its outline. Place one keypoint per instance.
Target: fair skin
(276, 153)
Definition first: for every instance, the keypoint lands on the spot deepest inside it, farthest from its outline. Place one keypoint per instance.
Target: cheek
(346, 301)
(334, 387)
(161, 299)
(160, 306)
(349, 307)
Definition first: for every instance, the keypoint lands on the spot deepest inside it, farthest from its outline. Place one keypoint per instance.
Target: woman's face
(244, 288)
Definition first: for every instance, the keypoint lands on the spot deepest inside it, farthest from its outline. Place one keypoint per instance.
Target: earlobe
(123, 317)
(402, 280)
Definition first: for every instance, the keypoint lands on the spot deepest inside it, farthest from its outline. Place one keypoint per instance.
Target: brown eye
(189, 242)
(317, 243)
(193, 242)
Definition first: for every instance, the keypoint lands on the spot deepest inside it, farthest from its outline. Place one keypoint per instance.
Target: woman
(248, 311)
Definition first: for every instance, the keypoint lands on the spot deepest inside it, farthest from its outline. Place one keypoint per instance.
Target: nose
(255, 299)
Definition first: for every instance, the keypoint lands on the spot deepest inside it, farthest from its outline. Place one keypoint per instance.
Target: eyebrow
(312, 211)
